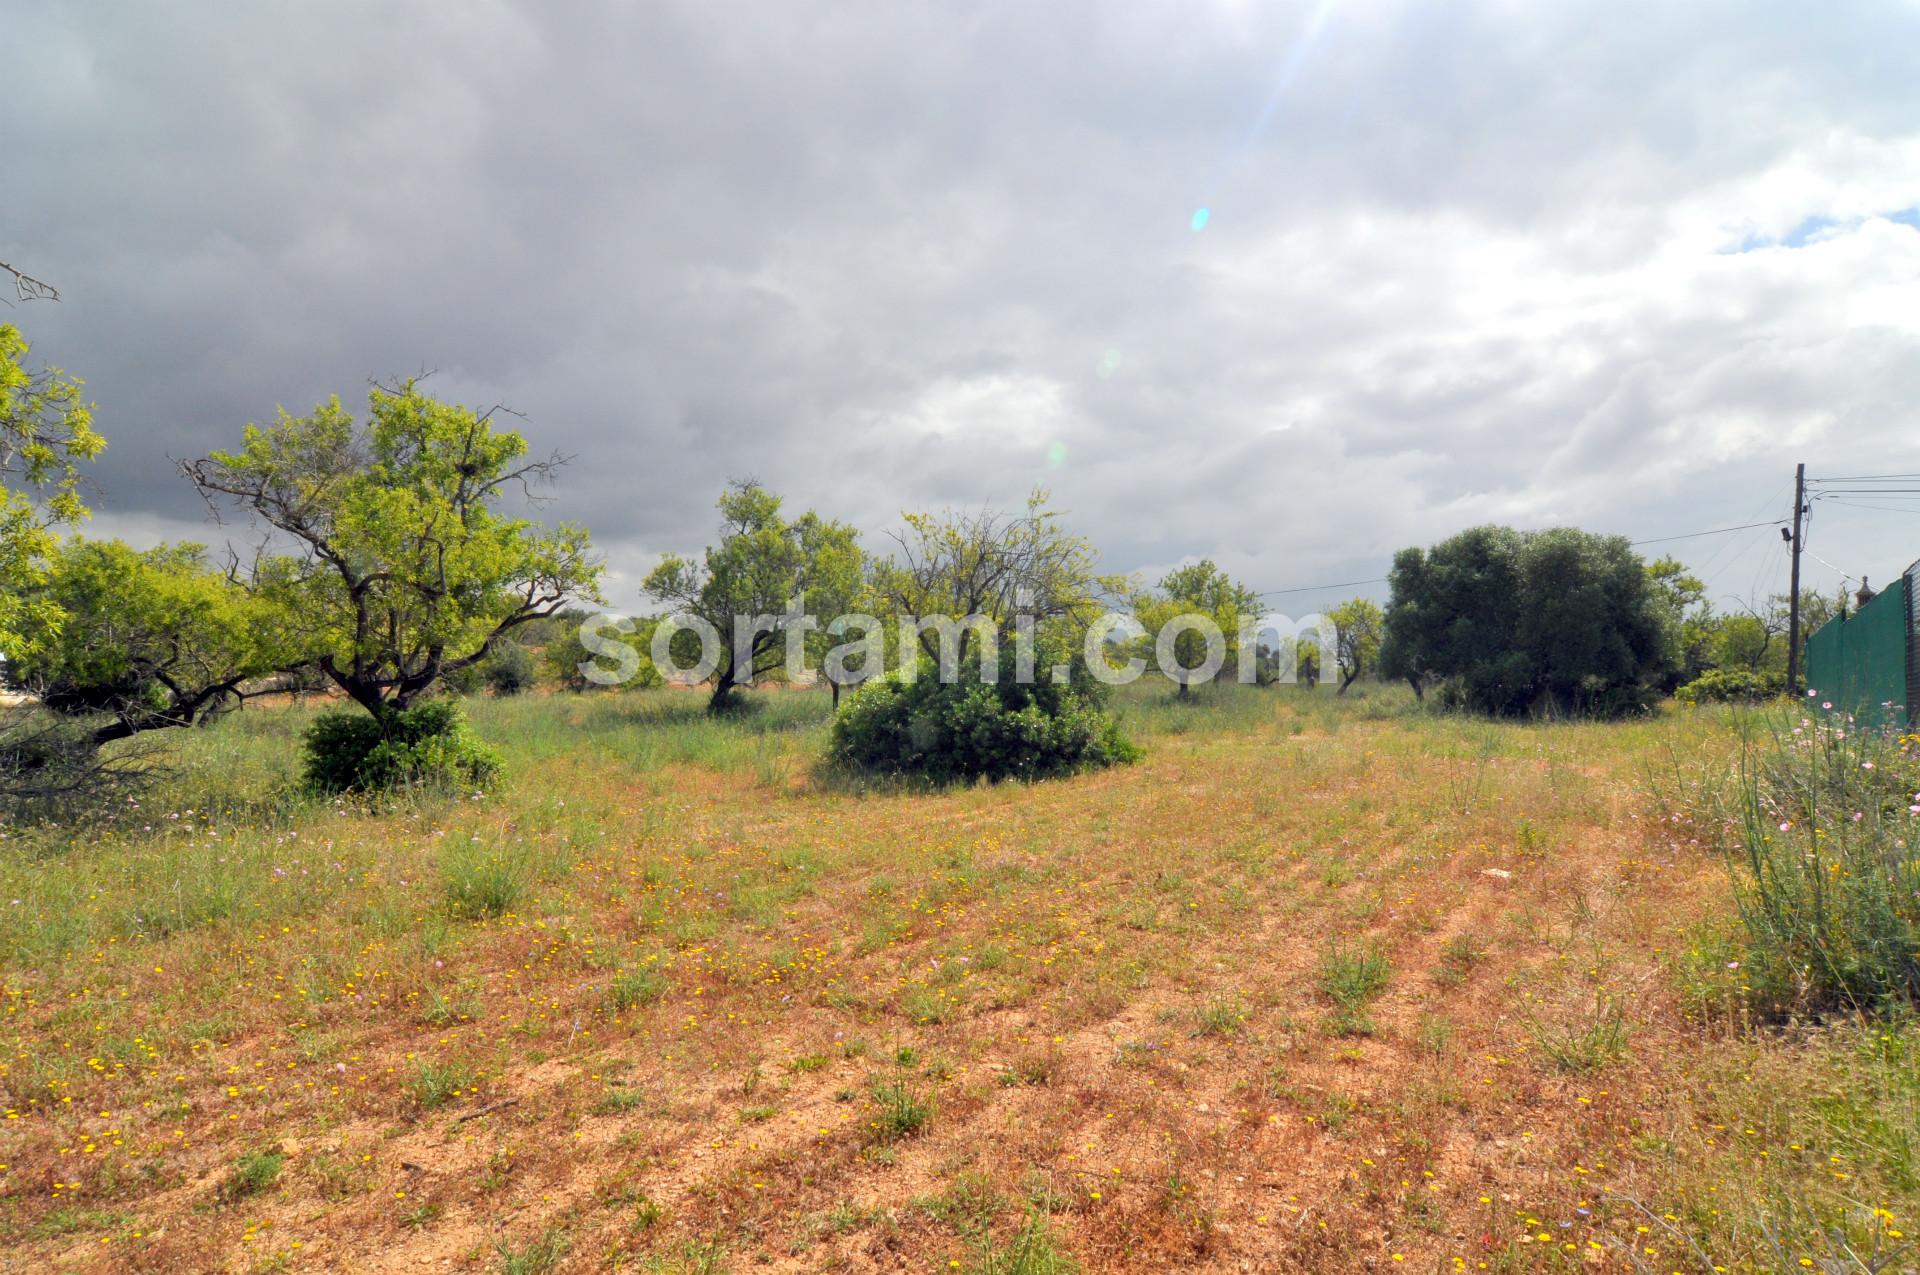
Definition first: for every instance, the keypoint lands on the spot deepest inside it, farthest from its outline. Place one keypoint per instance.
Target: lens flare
(1292, 59)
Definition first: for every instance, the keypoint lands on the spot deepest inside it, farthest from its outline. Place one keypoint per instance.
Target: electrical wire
(1892, 509)
(1863, 478)
(1812, 485)
(1315, 588)
(1353, 584)
(1717, 531)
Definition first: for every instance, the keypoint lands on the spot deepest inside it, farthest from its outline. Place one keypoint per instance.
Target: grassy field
(1319, 985)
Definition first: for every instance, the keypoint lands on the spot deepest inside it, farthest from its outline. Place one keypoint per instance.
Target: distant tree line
(391, 573)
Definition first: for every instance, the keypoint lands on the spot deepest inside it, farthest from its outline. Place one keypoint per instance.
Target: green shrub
(1823, 839)
(463, 681)
(1731, 686)
(967, 729)
(565, 655)
(429, 744)
(508, 668)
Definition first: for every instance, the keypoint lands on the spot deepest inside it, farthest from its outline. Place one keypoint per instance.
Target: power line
(1892, 509)
(1829, 566)
(1717, 531)
(1863, 478)
(1354, 584)
(1770, 502)
(1315, 588)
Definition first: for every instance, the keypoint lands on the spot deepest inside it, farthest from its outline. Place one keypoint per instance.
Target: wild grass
(537, 1256)
(1033, 1250)
(253, 1173)
(1352, 976)
(1586, 1040)
(1821, 826)
(436, 1084)
(637, 987)
(481, 880)
(901, 1110)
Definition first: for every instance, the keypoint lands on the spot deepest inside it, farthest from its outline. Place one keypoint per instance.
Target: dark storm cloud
(1474, 264)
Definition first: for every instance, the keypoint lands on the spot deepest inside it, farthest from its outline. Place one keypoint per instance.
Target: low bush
(508, 668)
(1730, 686)
(427, 745)
(969, 729)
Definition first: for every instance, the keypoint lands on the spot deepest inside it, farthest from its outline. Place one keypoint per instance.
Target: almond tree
(46, 429)
(760, 582)
(402, 568)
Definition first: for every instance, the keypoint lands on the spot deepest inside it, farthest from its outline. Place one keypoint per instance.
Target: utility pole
(1793, 585)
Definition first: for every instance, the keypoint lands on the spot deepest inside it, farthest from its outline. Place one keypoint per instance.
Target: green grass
(253, 1173)
(1273, 844)
(1819, 834)
(637, 987)
(1220, 1016)
(901, 1111)
(537, 1256)
(1352, 977)
(1033, 1250)
(482, 880)
(1595, 1037)
(436, 1084)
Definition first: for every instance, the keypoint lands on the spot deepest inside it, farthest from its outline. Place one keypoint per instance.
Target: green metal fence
(1862, 663)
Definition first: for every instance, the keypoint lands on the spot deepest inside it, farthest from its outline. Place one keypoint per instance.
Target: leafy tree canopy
(1201, 589)
(997, 565)
(756, 584)
(403, 567)
(1360, 625)
(46, 430)
(149, 639)
(1513, 622)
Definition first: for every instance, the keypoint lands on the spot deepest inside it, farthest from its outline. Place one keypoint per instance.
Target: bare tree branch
(28, 288)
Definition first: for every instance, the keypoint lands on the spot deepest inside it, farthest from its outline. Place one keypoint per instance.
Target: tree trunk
(836, 693)
(723, 685)
(1346, 680)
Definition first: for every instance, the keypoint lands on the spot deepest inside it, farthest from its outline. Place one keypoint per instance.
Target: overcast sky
(1290, 285)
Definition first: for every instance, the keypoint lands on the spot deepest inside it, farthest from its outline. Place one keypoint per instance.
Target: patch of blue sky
(1816, 228)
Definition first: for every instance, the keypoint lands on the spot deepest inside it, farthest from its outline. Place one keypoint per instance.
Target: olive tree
(1513, 622)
